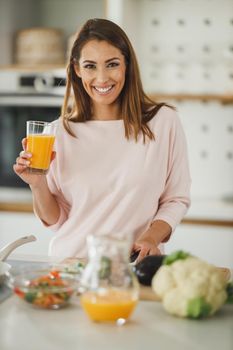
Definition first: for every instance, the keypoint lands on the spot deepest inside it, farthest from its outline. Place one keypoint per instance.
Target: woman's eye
(89, 66)
(113, 64)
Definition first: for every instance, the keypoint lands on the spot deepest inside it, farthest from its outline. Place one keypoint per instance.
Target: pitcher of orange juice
(110, 288)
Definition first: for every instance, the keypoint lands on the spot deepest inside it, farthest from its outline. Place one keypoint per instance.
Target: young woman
(121, 162)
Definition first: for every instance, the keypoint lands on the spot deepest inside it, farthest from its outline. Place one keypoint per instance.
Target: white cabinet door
(15, 225)
(212, 243)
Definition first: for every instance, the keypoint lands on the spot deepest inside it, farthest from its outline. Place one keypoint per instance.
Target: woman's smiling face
(102, 69)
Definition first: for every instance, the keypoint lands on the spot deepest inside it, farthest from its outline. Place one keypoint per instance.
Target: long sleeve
(56, 191)
(175, 199)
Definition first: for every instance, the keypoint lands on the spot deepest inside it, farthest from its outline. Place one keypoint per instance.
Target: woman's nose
(101, 76)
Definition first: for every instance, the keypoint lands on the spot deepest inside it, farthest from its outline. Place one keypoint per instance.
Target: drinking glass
(40, 140)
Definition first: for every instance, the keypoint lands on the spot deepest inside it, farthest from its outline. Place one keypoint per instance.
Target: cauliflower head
(189, 286)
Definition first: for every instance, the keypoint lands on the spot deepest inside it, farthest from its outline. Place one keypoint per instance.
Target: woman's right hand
(21, 167)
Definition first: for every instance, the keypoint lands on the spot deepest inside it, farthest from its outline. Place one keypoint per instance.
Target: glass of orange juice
(110, 288)
(40, 141)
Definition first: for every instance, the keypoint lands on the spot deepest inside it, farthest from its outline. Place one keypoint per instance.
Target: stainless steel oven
(25, 96)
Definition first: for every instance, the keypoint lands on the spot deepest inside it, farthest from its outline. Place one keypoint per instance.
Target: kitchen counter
(23, 327)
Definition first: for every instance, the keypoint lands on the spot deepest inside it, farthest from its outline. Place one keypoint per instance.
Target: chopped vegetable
(48, 291)
(75, 267)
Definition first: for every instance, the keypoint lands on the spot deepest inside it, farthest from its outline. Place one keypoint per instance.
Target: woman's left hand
(146, 246)
(147, 243)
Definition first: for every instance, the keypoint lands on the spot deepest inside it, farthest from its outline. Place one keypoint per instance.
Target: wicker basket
(40, 46)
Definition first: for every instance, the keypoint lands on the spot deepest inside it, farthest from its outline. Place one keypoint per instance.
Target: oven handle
(31, 100)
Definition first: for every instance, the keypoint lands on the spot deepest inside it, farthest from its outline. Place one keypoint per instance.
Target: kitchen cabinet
(14, 225)
(206, 231)
(211, 243)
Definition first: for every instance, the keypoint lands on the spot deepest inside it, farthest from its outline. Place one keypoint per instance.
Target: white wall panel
(189, 41)
(209, 131)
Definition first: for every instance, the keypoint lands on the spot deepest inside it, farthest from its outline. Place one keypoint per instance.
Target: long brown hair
(136, 107)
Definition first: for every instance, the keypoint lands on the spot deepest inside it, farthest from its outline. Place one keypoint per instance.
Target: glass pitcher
(110, 288)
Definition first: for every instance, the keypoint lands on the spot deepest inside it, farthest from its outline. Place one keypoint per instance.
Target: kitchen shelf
(222, 98)
(32, 68)
(16, 207)
(209, 222)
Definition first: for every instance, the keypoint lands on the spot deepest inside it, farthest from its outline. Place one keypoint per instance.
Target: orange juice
(40, 146)
(108, 306)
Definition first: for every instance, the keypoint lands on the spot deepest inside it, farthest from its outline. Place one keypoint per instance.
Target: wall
(67, 15)
(11, 21)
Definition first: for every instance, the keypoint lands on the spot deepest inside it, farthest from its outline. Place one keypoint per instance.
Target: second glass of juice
(110, 288)
(40, 141)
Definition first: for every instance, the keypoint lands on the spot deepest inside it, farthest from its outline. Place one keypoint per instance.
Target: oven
(25, 96)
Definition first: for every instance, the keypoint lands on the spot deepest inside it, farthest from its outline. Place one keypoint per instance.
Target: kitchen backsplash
(184, 46)
(209, 130)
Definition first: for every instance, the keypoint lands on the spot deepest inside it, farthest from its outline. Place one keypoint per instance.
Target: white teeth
(103, 90)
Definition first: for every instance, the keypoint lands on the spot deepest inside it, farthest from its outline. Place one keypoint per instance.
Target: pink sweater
(107, 184)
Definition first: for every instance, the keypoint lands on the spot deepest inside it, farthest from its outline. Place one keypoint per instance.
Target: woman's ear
(77, 71)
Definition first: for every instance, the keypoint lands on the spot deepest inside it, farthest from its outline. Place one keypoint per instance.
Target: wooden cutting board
(146, 293)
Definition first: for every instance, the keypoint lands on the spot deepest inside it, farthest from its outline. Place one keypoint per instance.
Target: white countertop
(24, 327)
(201, 208)
(210, 208)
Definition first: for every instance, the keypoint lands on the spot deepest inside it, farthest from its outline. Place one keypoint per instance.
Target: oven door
(14, 112)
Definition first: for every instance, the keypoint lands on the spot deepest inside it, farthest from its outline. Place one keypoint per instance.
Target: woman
(121, 160)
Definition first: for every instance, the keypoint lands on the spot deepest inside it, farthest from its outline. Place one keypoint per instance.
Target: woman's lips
(103, 90)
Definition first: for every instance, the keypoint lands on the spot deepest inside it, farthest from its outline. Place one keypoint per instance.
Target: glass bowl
(44, 288)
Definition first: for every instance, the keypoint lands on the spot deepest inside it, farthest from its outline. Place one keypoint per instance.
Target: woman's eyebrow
(111, 59)
(107, 61)
(88, 61)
